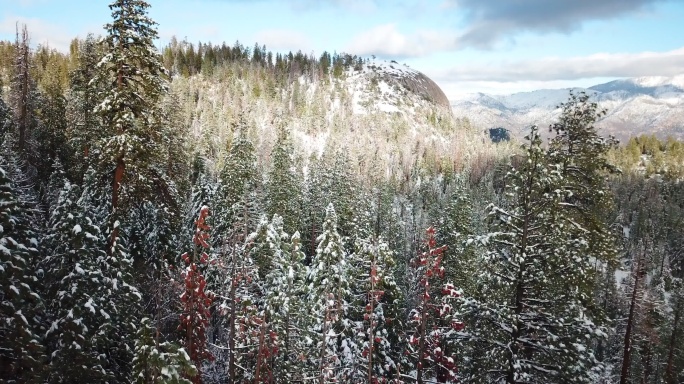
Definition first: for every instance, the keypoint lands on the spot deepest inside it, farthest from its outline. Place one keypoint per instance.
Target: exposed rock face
(395, 82)
(423, 86)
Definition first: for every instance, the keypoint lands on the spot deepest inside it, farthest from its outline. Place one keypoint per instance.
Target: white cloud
(668, 63)
(283, 40)
(40, 32)
(386, 40)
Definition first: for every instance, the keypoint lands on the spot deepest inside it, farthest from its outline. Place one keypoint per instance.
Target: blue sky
(495, 46)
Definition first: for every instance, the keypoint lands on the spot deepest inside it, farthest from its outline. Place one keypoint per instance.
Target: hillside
(379, 109)
(634, 106)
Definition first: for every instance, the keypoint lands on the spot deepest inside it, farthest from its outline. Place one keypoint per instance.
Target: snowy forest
(226, 214)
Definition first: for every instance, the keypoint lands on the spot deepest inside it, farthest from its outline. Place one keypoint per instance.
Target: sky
(466, 46)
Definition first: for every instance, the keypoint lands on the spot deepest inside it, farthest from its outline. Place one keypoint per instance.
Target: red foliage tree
(195, 300)
(432, 321)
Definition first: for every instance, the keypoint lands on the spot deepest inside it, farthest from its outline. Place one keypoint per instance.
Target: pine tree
(284, 287)
(134, 82)
(461, 263)
(329, 290)
(81, 313)
(157, 363)
(581, 154)
(119, 296)
(21, 351)
(22, 90)
(284, 189)
(195, 298)
(237, 184)
(84, 128)
(532, 320)
(380, 317)
(432, 321)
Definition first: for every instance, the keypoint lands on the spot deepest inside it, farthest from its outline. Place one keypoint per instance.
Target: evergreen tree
(237, 184)
(195, 298)
(283, 189)
(284, 288)
(82, 315)
(21, 351)
(134, 82)
(22, 96)
(377, 309)
(532, 320)
(431, 322)
(329, 292)
(157, 363)
(84, 127)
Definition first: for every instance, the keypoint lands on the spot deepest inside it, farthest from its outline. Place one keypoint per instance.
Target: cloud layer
(487, 22)
(40, 31)
(669, 63)
(283, 40)
(386, 40)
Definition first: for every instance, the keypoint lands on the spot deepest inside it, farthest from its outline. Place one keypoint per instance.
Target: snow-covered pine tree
(84, 128)
(195, 299)
(159, 362)
(582, 156)
(330, 181)
(21, 351)
(22, 95)
(237, 183)
(54, 187)
(284, 187)
(239, 291)
(432, 321)
(532, 320)
(329, 290)
(83, 317)
(134, 81)
(284, 288)
(380, 322)
(461, 263)
(118, 294)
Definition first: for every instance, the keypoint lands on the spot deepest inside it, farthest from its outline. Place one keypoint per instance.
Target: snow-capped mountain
(634, 106)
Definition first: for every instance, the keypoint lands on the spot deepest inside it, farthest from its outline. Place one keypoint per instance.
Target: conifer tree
(237, 185)
(82, 315)
(284, 287)
(581, 154)
(157, 363)
(195, 298)
(84, 128)
(21, 351)
(134, 81)
(329, 290)
(432, 321)
(283, 190)
(23, 90)
(380, 321)
(532, 320)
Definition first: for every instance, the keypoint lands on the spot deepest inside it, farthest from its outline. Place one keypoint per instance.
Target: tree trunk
(627, 351)
(421, 346)
(231, 331)
(321, 363)
(260, 353)
(670, 377)
(116, 187)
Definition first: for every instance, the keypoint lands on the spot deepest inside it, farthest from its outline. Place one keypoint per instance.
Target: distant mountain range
(635, 106)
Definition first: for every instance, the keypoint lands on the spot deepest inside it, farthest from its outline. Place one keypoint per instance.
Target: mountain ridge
(645, 105)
